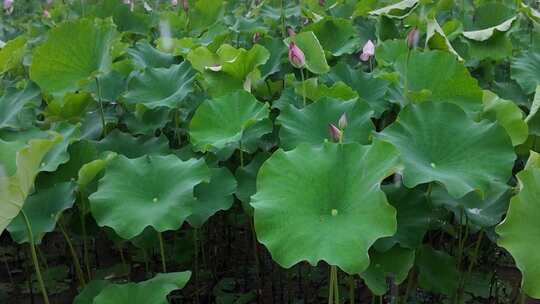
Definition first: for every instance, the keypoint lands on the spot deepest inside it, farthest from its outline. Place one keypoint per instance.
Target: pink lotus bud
(413, 37)
(185, 6)
(256, 37)
(46, 14)
(174, 3)
(322, 2)
(296, 56)
(343, 122)
(291, 32)
(335, 133)
(8, 6)
(367, 51)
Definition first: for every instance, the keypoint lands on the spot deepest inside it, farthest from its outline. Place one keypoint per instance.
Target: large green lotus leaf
(398, 10)
(498, 47)
(127, 21)
(8, 156)
(372, 90)
(525, 69)
(73, 52)
(394, 263)
(58, 154)
(154, 191)
(485, 34)
(325, 203)
(472, 208)
(453, 85)
(17, 107)
(146, 121)
(153, 291)
(439, 142)
(221, 122)
(313, 51)
(213, 196)
(414, 215)
(508, 115)
(133, 147)
(247, 180)
(90, 291)
(488, 19)
(143, 55)
(520, 233)
(161, 87)
(15, 188)
(336, 35)
(390, 50)
(533, 119)
(437, 271)
(43, 209)
(310, 124)
(12, 53)
(316, 91)
(204, 13)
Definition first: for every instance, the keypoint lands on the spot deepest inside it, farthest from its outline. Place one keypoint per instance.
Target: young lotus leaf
(325, 203)
(144, 55)
(518, 235)
(221, 122)
(213, 196)
(423, 74)
(313, 51)
(437, 271)
(73, 52)
(17, 107)
(153, 291)
(43, 209)
(439, 142)
(337, 35)
(315, 91)
(161, 87)
(12, 53)
(394, 263)
(58, 154)
(154, 191)
(15, 188)
(310, 124)
(508, 115)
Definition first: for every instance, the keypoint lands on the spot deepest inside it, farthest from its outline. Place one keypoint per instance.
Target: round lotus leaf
(152, 191)
(43, 209)
(161, 87)
(73, 52)
(310, 124)
(153, 291)
(213, 196)
(221, 122)
(439, 142)
(520, 233)
(324, 202)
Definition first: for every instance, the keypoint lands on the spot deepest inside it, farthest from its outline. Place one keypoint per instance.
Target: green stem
(410, 283)
(241, 154)
(35, 259)
(74, 256)
(85, 238)
(351, 289)
(475, 252)
(336, 286)
(522, 298)
(331, 286)
(177, 127)
(303, 87)
(406, 82)
(162, 252)
(101, 111)
(196, 267)
(283, 30)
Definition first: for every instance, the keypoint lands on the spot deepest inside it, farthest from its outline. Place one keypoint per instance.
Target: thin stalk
(283, 30)
(196, 267)
(101, 111)
(35, 259)
(351, 289)
(475, 252)
(177, 127)
(331, 286)
(303, 87)
(406, 82)
(162, 252)
(241, 154)
(410, 284)
(522, 298)
(146, 264)
(4, 257)
(123, 259)
(74, 256)
(336, 286)
(256, 257)
(86, 257)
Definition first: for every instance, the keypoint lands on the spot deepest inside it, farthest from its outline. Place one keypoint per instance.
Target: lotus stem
(331, 286)
(351, 289)
(162, 252)
(336, 286)
(86, 257)
(196, 267)
(101, 111)
(303, 87)
(35, 259)
(74, 256)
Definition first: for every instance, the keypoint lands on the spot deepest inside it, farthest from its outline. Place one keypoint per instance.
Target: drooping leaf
(161, 87)
(397, 10)
(324, 203)
(313, 51)
(221, 122)
(519, 232)
(154, 191)
(213, 196)
(17, 107)
(153, 291)
(393, 264)
(73, 52)
(43, 209)
(15, 188)
(310, 124)
(488, 19)
(436, 38)
(508, 115)
(439, 142)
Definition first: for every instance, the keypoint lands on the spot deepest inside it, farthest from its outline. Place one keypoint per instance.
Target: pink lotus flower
(412, 38)
(174, 2)
(185, 6)
(367, 51)
(8, 6)
(46, 14)
(335, 133)
(296, 56)
(256, 37)
(343, 121)
(291, 32)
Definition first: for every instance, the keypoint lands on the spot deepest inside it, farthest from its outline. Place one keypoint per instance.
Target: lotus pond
(269, 151)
